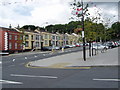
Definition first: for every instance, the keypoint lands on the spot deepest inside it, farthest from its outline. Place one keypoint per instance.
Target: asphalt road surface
(16, 75)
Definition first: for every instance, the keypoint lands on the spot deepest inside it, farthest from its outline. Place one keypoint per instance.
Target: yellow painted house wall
(46, 39)
(60, 40)
(29, 40)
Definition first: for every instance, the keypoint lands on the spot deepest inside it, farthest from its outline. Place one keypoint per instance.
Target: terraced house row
(15, 40)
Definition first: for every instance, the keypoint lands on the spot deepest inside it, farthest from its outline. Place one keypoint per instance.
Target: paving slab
(108, 58)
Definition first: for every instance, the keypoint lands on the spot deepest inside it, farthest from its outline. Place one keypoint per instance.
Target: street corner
(31, 65)
(57, 66)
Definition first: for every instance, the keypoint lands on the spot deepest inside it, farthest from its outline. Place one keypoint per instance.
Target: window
(66, 42)
(37, 44)
(42, 37)
(32, 37)
(46, 36)
(21, 46)
(64, 37)
(46, 42)
(26, 37)
(15, 45)
(15, 37)
(53, 42)
(21, 37)
(37, 37)
(53, 37)
(56, 37)
(67, 38)
(26, 44)
(49, 36)
(59, 38)
(10, 45)
(10, 37)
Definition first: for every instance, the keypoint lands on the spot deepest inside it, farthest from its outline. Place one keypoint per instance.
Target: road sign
(83, 34)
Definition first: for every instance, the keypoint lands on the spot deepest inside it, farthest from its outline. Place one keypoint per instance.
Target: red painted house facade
(10, 40)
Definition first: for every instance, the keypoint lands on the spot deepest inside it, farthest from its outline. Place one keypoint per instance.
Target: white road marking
(9, 82)
(13, 60)
(35, 56)
(25, 57)
(0, 62)
(43, 54)
(107, 80)
(33, 76)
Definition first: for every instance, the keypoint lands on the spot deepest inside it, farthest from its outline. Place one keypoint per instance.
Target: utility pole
(80, 11)
(83, 34)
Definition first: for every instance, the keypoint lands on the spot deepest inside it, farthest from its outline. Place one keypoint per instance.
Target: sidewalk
(109, 58)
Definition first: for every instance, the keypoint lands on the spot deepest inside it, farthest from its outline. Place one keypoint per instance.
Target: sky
(46, 12)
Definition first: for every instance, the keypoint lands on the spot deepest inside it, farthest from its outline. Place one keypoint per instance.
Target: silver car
(98, 46)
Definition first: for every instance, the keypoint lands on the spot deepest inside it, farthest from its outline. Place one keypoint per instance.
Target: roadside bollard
(92, 51)
(95, 51)
(52, 50)
(62, 49)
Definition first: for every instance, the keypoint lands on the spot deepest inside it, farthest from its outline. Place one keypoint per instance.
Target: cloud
(37, 12)
(56, 13)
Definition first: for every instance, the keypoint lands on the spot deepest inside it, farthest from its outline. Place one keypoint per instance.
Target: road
(16, 75)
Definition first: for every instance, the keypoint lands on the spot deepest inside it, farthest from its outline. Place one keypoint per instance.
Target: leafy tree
(115, 30)
(31, 27)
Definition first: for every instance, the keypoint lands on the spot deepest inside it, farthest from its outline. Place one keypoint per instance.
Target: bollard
(52, 50)
(95, 51)
(92, 51)
(62, 49)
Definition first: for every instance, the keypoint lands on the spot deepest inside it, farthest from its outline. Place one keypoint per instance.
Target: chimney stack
(10, 26)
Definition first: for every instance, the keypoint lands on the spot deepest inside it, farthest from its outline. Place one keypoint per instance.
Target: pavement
(75, 60)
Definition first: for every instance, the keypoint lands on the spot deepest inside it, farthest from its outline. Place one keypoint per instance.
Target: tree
(115, 30)
(31, 27)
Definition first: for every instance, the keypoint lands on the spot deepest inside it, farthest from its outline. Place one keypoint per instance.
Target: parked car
(56, 48)
(68, 46)
(73, 45)
(118, 43)
(106, 45)
(98, 46)
(49, 48)
(111, 44)
(77, 45)
(86, 44)
(81, 44)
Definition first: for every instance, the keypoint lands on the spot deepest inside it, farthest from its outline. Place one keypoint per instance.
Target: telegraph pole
(83, 34)
(79, 11)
